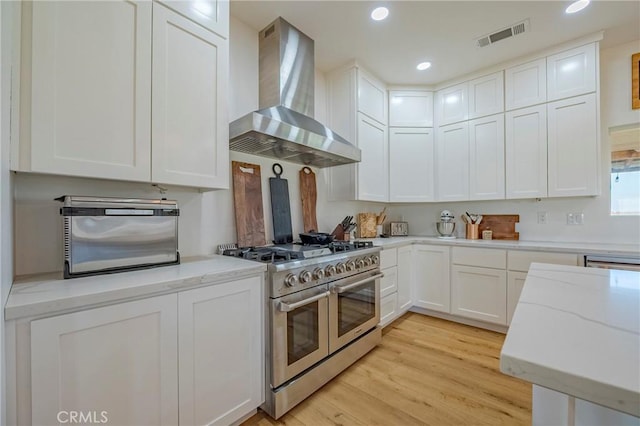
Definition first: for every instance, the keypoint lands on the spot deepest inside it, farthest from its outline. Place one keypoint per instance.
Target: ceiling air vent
(514, 30)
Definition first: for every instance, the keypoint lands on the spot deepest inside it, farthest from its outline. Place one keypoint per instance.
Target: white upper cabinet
(90, 76)
(526, 152)
(526, 84)
(211, 14)
(357, 110)
(572, 73)
(451, 104)
(372, 97)
(486, 158)
(90, 84)
(486, 95)
(573, 147)
(410, 108)
(411, 164)
(452, 148)
(189, 121)
(373, 170)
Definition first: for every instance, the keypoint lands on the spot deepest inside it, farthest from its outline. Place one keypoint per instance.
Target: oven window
(355, 307)
(302, 332)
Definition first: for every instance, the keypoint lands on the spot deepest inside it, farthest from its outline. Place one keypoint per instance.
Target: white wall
(599, 225)
(206, 219)
(6, 182)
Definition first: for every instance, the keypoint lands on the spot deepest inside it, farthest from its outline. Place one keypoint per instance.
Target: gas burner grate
(263, 254)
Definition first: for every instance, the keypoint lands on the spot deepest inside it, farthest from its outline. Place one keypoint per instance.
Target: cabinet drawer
(389, 283)
(521, 260)
(486, 258)
(388, 309)
(388, 258)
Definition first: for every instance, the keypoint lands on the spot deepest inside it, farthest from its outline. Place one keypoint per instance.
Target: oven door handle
(342, 288)
(288, 307)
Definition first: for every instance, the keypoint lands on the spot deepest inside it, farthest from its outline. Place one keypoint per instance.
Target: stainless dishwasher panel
(612, 262)
(103, 235)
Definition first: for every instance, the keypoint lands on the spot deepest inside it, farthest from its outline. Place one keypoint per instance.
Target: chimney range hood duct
(283, 127)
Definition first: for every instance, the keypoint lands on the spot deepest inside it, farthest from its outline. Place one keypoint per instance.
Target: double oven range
(322, 315)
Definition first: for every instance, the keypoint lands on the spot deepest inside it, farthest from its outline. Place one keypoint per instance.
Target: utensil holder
(473, 231)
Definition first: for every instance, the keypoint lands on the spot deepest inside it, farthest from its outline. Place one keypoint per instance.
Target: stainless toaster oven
(105, 235)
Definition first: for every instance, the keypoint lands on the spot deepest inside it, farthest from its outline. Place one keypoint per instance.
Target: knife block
(339, 233)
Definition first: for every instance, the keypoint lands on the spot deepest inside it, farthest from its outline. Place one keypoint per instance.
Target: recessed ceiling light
(577, 6)
(379, 13)
(423, 66)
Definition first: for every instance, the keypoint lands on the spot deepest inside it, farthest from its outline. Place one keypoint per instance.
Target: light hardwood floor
(426, 371)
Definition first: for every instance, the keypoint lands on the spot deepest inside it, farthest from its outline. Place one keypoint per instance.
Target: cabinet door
(91, 89)
(388, 309)
(119, 359)
(451, 104)
(405, 278)
(372, 97)
(389, 283)
(373, 171)
(479, 293)
(411, 165)
(486, 95)
(573, 147)
(515, 282)
(432, 284)
(526, 84)
(211, 14)
(190, 124)
(486, 158)
(571, 73)
(220, 352)
(526, 152)
(411, 108)
(452, 147)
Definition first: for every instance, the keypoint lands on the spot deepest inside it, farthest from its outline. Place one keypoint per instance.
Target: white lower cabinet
(405, 278)
(432, 284)
(388, 309)
(515, 283)
(192, 357)
(479, 293)
(220, 352)
(389, 283)
(388, 286)
(120, 361)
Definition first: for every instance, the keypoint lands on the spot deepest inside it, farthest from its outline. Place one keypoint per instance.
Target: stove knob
(318, 274)
(330, 271)
(367, 261)
(305, 277)
(340, 267)
(375, 259)
(291, 280)
(359, 263)
(351, 265)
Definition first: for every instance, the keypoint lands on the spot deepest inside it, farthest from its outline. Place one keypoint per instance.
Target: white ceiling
(442, 32)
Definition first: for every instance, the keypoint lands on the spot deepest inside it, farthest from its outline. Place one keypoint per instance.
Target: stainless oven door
(299, 332)
(354, 308)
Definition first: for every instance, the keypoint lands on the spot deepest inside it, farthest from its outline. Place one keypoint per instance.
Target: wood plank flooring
(426, 371)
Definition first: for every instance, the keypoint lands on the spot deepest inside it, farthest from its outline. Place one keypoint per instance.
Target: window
(625, 170)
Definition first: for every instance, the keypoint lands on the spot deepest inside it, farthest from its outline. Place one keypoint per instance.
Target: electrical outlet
(575, 218)
(543, 218)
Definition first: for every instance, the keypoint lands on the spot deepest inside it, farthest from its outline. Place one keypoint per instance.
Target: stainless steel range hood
(283, 127)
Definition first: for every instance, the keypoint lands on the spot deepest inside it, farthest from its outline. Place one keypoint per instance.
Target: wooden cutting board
(367, 225)
(280, 207)
(309, 196)
(503, 226)
(247, 197)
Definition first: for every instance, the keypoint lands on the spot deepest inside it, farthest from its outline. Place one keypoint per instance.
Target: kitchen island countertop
(561, 247)
(577, 331)
(50, 294)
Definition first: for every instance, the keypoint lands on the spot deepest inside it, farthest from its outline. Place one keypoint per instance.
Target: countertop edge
(61, 303)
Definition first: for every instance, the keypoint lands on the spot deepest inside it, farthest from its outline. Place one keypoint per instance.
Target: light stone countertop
(561, 247)
(577, 331)
(50, 294)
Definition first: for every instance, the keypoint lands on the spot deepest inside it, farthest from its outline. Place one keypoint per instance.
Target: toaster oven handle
(288, 307)
(341, 289)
